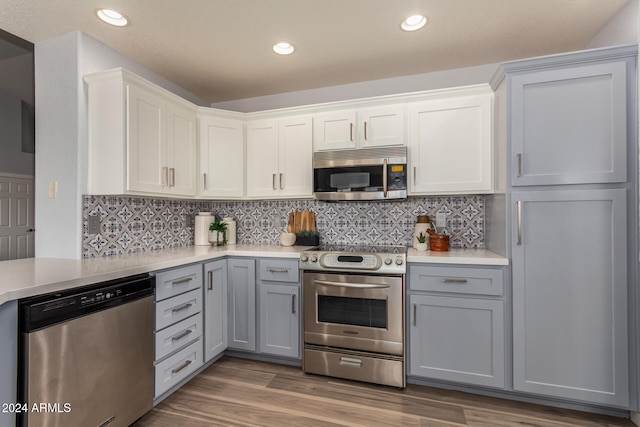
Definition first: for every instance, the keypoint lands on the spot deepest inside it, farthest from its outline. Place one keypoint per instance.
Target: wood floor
(237, 392)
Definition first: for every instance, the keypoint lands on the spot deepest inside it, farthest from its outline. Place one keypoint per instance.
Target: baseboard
(521, 397)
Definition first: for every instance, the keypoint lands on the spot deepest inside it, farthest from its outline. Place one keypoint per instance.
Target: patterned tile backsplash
(133, 224)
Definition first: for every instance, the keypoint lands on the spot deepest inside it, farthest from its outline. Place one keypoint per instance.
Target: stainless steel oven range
(353, 310)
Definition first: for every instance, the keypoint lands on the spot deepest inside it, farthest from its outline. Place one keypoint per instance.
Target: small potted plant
(218, 233)
(308, 238)
(422, 242)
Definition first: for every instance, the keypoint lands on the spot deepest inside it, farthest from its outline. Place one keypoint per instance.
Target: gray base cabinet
(241, 300)
(215, 308)
(570, 295)
(457, 339)
(456, 324)
(178, 324)
(279, 302)
(279, 320)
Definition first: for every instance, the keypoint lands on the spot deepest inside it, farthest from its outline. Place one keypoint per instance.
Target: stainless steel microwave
(360, 174)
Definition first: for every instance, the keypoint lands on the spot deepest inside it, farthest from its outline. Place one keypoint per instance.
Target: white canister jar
(422, 225)
(201, 234)
(231, 230)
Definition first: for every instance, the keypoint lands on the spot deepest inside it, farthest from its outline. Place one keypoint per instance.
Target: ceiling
(221, 49)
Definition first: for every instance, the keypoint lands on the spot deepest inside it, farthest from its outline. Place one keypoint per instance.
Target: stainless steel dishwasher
(87, 355)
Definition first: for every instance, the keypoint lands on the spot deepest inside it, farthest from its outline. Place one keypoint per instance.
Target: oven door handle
(351, 285)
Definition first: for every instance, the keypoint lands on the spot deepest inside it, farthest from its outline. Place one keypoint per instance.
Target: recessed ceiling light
(112, 17)
(413, 23)
(283, 48)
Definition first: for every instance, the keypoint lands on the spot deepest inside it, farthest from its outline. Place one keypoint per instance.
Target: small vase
(421, 246)
(217, 238)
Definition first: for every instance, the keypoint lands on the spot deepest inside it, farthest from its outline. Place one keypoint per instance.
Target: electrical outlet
(93, 224)
(441, 219)
(189, 220)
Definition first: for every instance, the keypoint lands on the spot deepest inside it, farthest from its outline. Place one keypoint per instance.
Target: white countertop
(457, 256)
(34, 276)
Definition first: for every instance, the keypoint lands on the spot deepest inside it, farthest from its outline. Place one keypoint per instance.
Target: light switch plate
(441, 219)
(93, 224)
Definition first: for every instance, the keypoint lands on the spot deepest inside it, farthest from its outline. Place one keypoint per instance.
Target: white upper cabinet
(451, 143)
(366, 127)
(278, 157)
(142, 138)
(221, 156)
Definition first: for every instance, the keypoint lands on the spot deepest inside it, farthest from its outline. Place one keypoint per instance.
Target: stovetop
(353, 259)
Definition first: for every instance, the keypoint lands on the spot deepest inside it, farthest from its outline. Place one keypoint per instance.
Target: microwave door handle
(384, 178)
(351, 285)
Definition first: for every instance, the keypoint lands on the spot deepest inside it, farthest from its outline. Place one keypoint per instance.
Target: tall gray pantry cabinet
(572, 150)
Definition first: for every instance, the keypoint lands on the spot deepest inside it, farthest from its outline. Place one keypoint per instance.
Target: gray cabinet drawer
(178, 281)
(481, 281)
(178, 308)
(276, 270)
(175, 368)
(177, 336)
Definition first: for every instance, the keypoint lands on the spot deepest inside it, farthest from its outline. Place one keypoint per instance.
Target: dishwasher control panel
(36, 312)
(99, 296)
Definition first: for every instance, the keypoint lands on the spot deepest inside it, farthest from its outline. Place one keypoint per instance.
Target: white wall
(622, 29)
(412, 83)
(62, 134)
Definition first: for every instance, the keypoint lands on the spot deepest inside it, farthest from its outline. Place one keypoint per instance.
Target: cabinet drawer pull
(182, 335)
(210, 285)
(350, 361)
(519, 221)
(205, 181)
(414, 314)
(181, 308)
(273, 182)
(278, 270)
(293, 304)
(281, 181)
(365, 131)
(350, 131)
(184, 365)
(173, 177)
(519, 161)
(454, 280)
(181, 281)
(165, 176)
(414, 176)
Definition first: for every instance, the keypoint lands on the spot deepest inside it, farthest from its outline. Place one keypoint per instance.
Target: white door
(16, 217)
(221, 157)
(295, 177)
(181, 149)
(262, 159)
(382, 126)
(147, 169)
(451, 145)
(332, 131)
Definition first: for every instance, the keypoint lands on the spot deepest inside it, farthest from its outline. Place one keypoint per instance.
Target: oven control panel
(347, 261)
